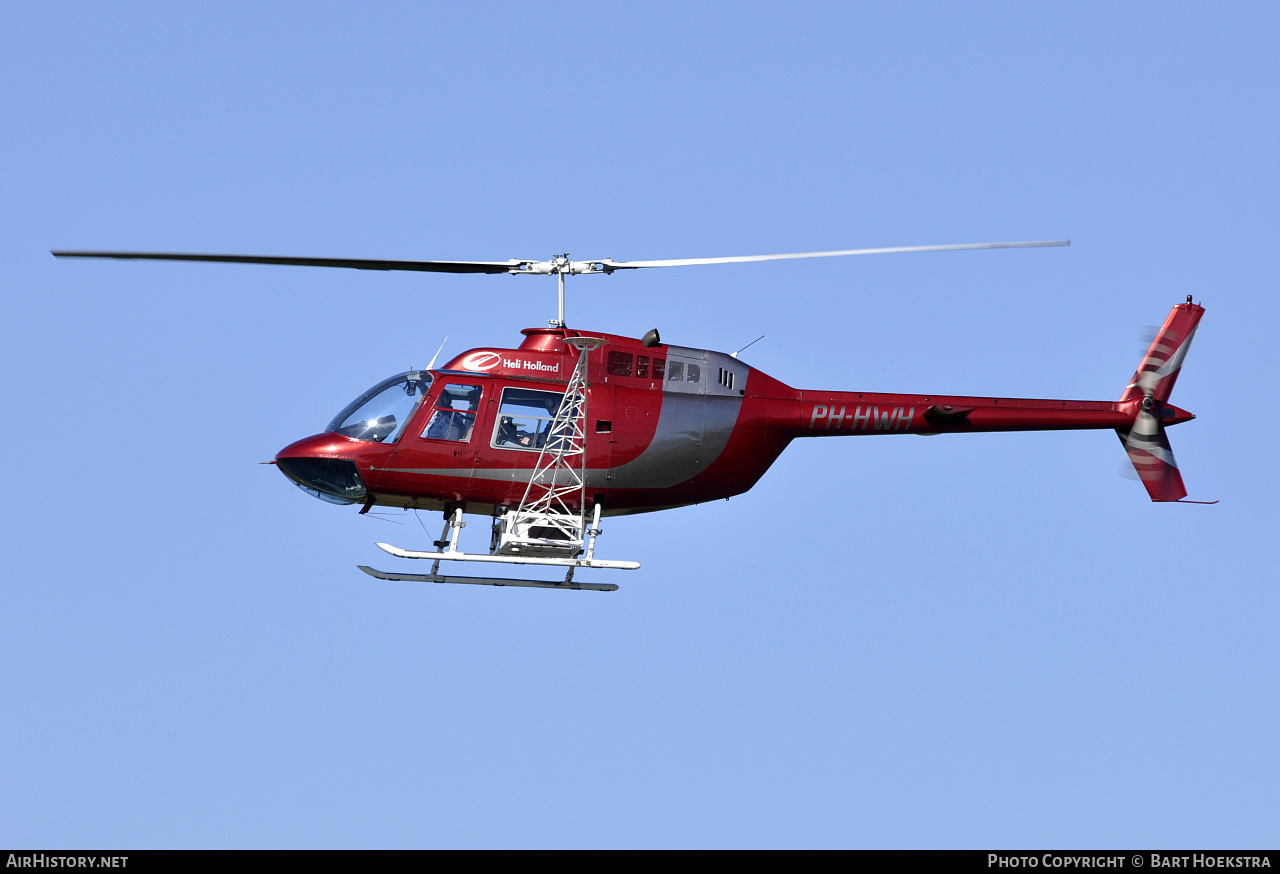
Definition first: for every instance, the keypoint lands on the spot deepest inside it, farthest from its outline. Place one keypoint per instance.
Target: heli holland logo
(481, 361)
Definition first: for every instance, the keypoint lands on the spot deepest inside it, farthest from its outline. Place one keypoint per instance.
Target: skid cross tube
(453, 555)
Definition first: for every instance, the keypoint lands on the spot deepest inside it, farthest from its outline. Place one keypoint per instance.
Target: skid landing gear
(487, 581)
(575, 553)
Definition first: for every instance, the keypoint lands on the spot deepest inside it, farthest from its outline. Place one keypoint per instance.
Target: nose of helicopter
(313, 466)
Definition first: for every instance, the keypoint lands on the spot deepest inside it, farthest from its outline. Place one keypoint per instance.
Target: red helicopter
(569, 426)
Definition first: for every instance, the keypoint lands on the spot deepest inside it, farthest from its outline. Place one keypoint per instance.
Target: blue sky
(968, 641)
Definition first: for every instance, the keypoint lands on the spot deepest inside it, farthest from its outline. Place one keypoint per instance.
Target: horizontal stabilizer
(946, 414)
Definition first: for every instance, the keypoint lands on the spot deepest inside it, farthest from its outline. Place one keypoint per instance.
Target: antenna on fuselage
(438, 351)
(748, 346)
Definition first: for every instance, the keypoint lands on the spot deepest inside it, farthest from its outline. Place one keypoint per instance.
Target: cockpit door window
(454, 416)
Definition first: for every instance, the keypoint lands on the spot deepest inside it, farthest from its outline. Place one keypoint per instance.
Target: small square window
(642, 366)
(658, 365)
(604, 426)
(675, 373)
(619, 363)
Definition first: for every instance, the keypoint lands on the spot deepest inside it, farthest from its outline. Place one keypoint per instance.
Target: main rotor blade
(684, 262)
(357, 263)
(531, 268)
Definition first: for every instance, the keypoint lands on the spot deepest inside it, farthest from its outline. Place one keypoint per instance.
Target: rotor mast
(562, 265)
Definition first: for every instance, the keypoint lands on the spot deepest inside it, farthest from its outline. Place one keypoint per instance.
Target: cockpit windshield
(380, 414)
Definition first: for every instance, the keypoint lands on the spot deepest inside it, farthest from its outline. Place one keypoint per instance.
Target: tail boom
(1140, 416)
(830, 414)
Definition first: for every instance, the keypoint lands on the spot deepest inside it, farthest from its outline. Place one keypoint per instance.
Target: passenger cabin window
(693, 373)
(454, 415)
(619, 363)
(524, 418)
(675, 372)
(642, 366)
(658, 364)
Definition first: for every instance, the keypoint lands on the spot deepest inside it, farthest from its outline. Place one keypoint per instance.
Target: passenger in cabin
(510, 435)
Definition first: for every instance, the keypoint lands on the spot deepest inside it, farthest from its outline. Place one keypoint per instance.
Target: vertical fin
(1161, 364)
(1145, 440)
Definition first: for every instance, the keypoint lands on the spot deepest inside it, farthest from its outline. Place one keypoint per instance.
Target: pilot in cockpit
(455, 413)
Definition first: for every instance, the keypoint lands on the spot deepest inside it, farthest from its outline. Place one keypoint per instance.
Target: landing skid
(487, 581)
(447, 550)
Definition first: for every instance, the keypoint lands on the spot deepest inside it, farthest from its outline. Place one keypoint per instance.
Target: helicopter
(547, 437)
